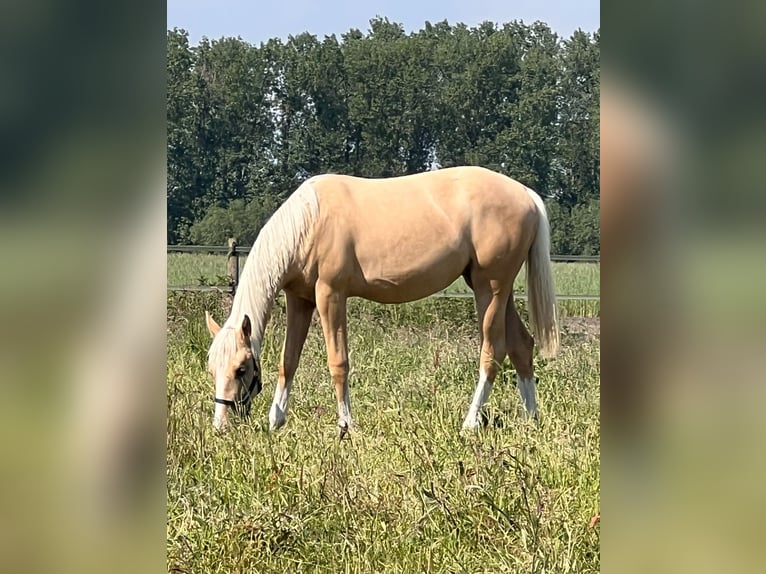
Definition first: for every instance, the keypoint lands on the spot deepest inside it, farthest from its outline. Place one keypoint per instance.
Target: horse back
(416, 233)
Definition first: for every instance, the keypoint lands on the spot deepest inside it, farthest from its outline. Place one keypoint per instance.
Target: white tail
(543, 314)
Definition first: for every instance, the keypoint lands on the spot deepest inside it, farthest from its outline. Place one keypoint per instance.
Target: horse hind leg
(519, 346)
(491, 310)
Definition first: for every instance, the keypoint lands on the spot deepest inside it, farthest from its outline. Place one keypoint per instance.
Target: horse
(389, 240)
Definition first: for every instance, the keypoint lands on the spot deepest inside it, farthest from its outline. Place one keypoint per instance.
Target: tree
(181, 154)
(528, 146)
(247, 124)
(376, 101)
(239, 219)
(579, 120)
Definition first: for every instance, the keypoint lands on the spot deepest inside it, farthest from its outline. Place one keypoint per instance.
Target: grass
(408, 492)
(197, 269)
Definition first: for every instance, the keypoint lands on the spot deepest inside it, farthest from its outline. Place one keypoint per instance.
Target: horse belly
(410, 277)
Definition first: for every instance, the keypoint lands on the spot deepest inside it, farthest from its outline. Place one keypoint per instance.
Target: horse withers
(392, 241)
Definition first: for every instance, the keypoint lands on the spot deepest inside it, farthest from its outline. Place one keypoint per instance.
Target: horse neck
(278, 246)
(260, 282)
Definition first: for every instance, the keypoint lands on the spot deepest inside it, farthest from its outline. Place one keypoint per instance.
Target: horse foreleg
(299, 312)
(332, 312)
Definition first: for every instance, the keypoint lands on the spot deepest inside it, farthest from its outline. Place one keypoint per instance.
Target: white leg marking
(528, 395)
(278, 412)
(480, 397)
(344, 411)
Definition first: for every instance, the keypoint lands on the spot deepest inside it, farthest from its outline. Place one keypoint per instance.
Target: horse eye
(241, 372)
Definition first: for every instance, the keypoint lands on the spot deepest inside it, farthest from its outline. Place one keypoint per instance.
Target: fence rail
(233, 252)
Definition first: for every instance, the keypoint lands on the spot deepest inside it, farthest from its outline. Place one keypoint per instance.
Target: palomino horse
(391, 241)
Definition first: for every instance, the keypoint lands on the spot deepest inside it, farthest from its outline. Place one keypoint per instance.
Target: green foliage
(586, 228)
(239, 219)
(576, 229)
(252, 122)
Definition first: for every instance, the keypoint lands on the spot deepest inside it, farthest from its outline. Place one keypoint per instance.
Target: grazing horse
(392, 241)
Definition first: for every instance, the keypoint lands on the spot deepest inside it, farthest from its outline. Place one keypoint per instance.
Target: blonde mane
(281, 242)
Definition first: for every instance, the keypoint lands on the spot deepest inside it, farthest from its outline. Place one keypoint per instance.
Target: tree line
(247, 124)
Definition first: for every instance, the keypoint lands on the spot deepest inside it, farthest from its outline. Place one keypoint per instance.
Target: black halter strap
(248, 394)
(226, 402)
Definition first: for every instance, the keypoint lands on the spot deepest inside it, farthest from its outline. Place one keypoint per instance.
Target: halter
(248, 392)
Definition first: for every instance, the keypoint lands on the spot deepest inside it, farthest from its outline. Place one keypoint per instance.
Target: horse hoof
(343, 429)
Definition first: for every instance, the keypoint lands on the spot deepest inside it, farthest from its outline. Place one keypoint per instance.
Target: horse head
(235, 368)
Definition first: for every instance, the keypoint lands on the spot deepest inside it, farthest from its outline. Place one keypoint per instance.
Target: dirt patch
(581, 327)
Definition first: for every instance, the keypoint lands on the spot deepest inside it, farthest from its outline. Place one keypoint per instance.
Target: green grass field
(409, 492)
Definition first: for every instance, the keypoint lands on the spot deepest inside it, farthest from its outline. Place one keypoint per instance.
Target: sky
(257, 22)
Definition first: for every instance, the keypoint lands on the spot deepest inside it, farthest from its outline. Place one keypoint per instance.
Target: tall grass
(408, 492)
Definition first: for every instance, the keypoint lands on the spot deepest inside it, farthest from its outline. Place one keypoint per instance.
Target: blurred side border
(82, 291)
(682, 139)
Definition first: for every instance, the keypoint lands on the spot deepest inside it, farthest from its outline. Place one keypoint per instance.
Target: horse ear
(247, 327)
(212, 326)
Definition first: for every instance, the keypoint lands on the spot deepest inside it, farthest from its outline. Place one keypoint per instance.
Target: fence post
(232, 265)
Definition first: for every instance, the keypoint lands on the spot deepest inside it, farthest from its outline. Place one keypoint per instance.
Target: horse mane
(280, 243)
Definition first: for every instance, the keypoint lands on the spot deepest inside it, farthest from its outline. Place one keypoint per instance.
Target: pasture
(408, 492)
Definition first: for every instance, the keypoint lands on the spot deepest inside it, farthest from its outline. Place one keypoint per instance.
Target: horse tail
(543, 314)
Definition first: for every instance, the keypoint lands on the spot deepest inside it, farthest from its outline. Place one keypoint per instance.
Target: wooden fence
(234, 251)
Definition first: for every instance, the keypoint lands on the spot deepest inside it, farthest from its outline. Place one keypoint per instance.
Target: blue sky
(257, 21)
